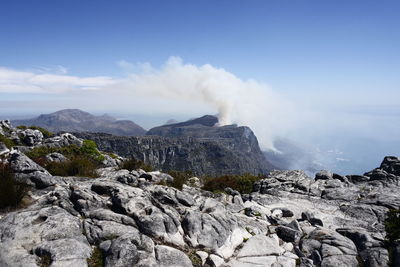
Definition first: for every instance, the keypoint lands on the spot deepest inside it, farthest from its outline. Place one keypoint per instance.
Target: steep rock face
(75, 120)
(237, 154)
(193, 145)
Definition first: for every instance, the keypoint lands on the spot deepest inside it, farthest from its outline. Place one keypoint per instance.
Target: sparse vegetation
(68, 151)
(45, 260)
(134, 164)
(194, 258)
(7, 141)
(82, 161)
(248, 229)
(242, 183)
(89, 148)
(11, 192)
(46, 133)
(112, 155)
(180, 178)
(96, 258)
(77, 166)
(392, 226)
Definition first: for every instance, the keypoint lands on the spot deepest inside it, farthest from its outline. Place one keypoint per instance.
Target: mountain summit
(76, 120)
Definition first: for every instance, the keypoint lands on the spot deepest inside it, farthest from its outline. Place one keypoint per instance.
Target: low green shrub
(46, 133)
(88, 149)
(112, 155)
(77, 166)
(82, 161)
(242, 183)
(45, 260)
(11, 192)
(96, 258)
(7, 141)
(194, 258)
(392, 228)
(392, 225)
(134, 164)
(68, 151)
(180, 178)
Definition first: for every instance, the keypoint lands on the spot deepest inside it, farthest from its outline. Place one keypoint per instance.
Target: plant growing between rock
(7, 141)
(11, 191)
(96, 258)
(134, 164)
(242, 183)
(77, 166)
(180, 178)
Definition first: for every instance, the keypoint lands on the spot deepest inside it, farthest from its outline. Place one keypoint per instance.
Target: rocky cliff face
(193, 145)
(237, 155)
(127, 219)
(75, 120)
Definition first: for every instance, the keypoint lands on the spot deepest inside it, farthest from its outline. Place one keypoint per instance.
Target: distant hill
(75, 120)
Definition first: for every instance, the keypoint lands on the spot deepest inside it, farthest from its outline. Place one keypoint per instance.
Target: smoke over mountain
(236, 101)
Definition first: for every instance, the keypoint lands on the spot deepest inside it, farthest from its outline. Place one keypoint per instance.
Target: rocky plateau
(129, 218)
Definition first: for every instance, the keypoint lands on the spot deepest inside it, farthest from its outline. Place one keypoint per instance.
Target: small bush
(134, 164)
(96, 258)
(180, 178)
(242, 183)
(45, 260)
(392, 225)
(89, 148)
(194, 258)
(7, 141)
(68, 151)
(46, 133)
(11, 192)
(77, 166)
(112, 155)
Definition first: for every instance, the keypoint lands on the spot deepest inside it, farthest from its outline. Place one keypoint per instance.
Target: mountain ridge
(76, 120)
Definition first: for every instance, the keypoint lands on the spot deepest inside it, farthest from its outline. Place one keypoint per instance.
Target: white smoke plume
(247, 103)
(176, 87)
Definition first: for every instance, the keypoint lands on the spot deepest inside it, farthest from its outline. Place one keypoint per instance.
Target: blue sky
(292, 45)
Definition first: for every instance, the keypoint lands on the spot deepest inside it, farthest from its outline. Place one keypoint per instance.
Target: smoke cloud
(177, 86)
(237, 101)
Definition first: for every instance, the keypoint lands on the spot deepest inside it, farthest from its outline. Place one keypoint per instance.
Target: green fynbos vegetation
(89, 148)
(11, 192)
(46, 133)
(242, 183)
(194, 258)
(392, 228)
(77, 166)
(82, 161)
(180, 178)
(68, 151)
(392, 225)
(96, 258)
(134, 164)
(7, 141)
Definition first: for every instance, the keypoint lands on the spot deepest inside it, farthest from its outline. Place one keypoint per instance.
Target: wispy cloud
(16, 81)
